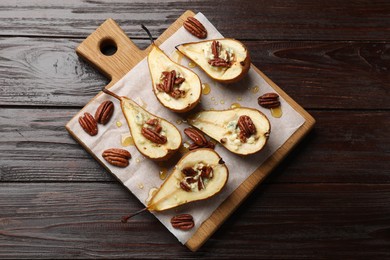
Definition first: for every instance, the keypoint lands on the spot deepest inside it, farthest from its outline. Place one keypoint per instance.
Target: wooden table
(329, 199)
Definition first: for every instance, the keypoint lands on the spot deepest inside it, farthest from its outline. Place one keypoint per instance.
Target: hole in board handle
(108, 47)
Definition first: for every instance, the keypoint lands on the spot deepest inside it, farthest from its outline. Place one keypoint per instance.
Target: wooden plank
(80, 220)
(267, 19)
(358, 152)
(36, 147)
(331, 75)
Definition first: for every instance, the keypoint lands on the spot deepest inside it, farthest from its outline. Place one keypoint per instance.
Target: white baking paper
(142, 174)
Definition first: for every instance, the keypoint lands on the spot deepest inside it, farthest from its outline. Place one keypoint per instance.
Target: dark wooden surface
(330, 198)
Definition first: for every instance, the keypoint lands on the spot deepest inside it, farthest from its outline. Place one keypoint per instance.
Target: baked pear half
(241, 130)
(154, 137)
(224, 60)
(199, 175)
(175, 86)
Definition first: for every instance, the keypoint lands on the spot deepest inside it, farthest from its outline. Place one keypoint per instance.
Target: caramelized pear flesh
(166, 138)
(224, 60)
(199, 175)
(183, 92)
(226, 127)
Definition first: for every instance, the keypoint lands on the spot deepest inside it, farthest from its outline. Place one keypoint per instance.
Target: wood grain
(244, 19)
(358, 152)
(78, 220)
(331, 75)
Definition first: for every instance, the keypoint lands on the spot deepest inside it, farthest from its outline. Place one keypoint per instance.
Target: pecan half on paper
(183, 222)
(196, 28)
(269, 100)
(104, 112)
(117, 157)
(88, 123)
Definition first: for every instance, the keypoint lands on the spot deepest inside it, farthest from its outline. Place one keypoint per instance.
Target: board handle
(110, 36)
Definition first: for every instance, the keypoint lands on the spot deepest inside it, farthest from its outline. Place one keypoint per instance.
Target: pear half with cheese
(241, 130)
(224, 60)
(154, 137)
(199, 175)
(175, 86)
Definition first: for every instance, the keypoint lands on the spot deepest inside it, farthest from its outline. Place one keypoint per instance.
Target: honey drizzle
(206, 89)
(277, 112)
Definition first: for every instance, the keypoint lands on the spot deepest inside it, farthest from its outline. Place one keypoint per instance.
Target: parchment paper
(142, 174)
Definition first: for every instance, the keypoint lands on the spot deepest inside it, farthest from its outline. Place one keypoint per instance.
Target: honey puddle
(152, 192)
(277, 112)
(177, 56)
(206, 89)
(127, 140)
(192, 64)
(184, 148)
(255, 89)
(163, 173)
(235, 105)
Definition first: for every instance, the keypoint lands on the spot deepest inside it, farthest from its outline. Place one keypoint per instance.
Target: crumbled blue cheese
(166, 96)
(233, 133)
(208, 54)
(233, 137)
(237, 142)
(231, 126)
(198, 165)
(250, 140)
(207, 51)
(184, 87)
(139, 119)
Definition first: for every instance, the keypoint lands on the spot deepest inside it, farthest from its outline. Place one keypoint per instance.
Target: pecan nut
(216, 49)
(200, 184)
(188, 171)
(269, 100)
(196, 136)
(183, 222)
(207, 172)
(117, 157)
(185, 186)
(247, 128)
(170, 83)
(218, 62)
(89, 124)
(196, 28)
(153, 135)
(194, 146)
(104, 112)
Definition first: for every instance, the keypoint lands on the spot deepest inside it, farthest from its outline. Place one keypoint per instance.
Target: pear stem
(148, 32)
(126, 218)
(111, 94)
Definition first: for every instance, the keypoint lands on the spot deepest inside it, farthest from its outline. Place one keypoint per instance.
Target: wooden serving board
(127, 56)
